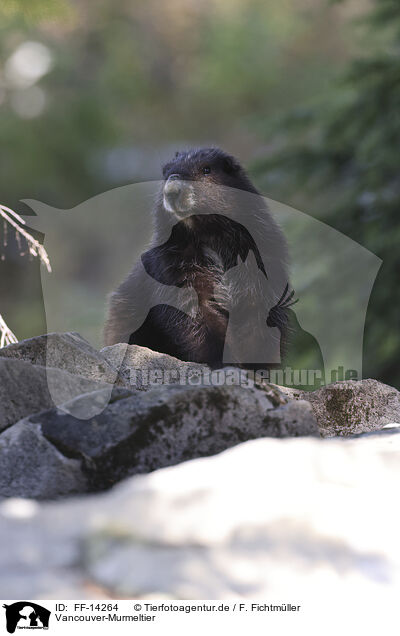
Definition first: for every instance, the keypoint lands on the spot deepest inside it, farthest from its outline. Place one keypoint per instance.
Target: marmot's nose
(173, 186)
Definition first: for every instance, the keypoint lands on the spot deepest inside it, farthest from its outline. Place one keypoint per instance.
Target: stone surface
(350, 407)
(32, 467)
(26, 389)
(142, 368)
(113, 432)
(148, 430)
(67, 351)
(299, 520)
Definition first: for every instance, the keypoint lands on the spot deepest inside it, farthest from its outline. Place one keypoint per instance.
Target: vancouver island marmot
(208, 219)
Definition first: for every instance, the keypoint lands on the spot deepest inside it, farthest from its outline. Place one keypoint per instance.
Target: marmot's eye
(206, 170)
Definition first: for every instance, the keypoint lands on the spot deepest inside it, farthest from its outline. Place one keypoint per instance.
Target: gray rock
(30, 466)
(169, 425)
(143, 369)
(27, 389)
(351, 407)
(67, 351)
(89, 405)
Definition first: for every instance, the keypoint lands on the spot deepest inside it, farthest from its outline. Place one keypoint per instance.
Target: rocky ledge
(76, 420)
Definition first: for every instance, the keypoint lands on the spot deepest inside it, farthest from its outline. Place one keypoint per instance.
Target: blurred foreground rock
(297, 520)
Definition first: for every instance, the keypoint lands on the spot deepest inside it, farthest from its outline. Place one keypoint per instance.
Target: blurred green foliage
(32, 11)
(340, 161)
(115, 87)
(135, 75)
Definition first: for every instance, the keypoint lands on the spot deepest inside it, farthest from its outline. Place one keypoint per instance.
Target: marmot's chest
(200, 270)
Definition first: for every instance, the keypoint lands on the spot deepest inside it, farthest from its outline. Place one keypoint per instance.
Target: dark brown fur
(194, 250)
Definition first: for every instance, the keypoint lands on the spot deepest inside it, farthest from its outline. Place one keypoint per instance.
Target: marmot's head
(194, 180)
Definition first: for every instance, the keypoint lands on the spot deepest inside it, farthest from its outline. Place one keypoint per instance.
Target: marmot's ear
(231, 165)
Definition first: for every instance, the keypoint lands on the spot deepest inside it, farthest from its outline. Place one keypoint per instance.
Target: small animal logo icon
(26, 615)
